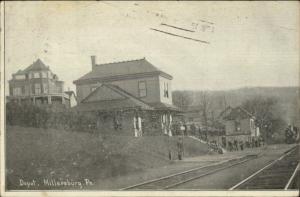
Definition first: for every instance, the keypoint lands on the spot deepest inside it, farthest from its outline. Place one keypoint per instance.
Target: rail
(167, 182)
(269, 166)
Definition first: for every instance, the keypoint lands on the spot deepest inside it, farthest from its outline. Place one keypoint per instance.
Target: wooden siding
(245, 127)
(103, 93)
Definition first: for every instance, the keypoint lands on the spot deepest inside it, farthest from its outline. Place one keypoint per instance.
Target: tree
(205, 107)
(206, 110)
(182, 99)
(264, 110)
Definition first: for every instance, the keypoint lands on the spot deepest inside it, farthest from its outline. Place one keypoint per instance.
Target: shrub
(30, 115)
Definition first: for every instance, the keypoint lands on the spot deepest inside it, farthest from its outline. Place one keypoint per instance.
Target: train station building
(129, 98)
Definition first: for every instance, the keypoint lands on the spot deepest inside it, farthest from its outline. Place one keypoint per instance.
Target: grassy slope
(56, 154)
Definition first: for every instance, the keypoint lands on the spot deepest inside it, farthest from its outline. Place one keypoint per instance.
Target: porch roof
(165, 106)
(109, 97)
(110, 105)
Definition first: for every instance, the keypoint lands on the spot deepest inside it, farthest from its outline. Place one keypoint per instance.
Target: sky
(249, 43)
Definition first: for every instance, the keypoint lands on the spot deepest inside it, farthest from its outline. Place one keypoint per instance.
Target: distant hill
(287, 97)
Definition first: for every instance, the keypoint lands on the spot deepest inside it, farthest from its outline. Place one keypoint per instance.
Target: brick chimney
(93, 58)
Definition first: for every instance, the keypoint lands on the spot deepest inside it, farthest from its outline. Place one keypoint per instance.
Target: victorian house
(129, 97)
(38, 85)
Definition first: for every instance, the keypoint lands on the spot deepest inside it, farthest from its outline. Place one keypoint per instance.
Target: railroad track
(174, 180)
(281, 173)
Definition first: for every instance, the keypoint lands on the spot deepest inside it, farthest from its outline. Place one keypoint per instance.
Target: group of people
(236, 145)
(214, 146)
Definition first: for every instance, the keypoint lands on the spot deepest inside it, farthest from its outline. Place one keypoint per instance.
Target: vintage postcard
(142, 98)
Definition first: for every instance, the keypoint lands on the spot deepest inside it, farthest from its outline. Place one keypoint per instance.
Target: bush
(30, 115)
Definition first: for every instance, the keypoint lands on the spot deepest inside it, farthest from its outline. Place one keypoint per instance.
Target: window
(44, 75)
(27, 90)
(237, 125)
(59, 89)
(36, 75)
(17, 91)
(117, 121)
(166, 90)
(23, 89)
(142, 89)
(32, 89)
(37, 88)
(45, 88)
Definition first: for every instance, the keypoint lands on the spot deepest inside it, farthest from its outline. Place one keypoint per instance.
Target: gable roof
(19, 72)
(35, 66)
(124, 101)
(225, 112)
(103, 92)
(119, 69)
(238, 113)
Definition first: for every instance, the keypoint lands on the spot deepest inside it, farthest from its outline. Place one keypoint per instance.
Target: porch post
(163, 123)
(49, 100)
(135, 129)
(170, 124)
(140, 125)
(98, 119)
(166, 125)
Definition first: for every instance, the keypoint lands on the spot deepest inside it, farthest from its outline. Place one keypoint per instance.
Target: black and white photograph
(150, 98)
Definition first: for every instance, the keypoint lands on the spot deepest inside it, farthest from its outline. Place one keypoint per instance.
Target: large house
(37, 84)
(129, 96)
(239, 124)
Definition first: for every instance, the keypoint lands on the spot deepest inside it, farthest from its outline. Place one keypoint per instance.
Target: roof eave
(166, 75)
(122, 77)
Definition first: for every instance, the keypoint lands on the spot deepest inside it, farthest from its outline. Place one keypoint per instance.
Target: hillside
(287, 98)
(67, 155)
